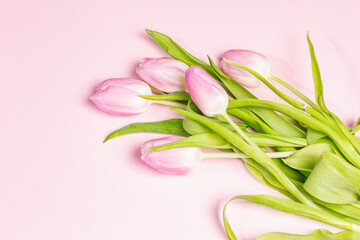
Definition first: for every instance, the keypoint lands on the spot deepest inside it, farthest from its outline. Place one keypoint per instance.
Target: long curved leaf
(171, 126)
(319, 234)
(319, 92)
(298, 209)
(176, 51)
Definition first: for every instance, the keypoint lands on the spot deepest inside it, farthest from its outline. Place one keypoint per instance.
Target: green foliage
(208, 140)
(333, 180)
(319, 92)
(306, 158)
(322, 177)
(319, 234)
(171, 126)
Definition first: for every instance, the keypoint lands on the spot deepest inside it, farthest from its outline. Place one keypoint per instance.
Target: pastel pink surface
(59, 181)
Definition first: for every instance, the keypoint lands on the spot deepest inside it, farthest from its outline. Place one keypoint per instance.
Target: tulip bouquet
(300, 149)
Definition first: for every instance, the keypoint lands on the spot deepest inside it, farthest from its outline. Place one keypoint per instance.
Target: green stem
(243, 155)
(169, 103)
(241, 132)
(345, 131)
(295, 91)
(251, 119)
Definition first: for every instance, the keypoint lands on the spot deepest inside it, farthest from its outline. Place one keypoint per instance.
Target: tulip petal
(119, 96)
(172, 161)
(206, 92)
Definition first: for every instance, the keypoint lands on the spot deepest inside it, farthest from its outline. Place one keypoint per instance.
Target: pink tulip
(173, 161)
(119, 96)
(206, 92)
(250, 59)
(165, 74)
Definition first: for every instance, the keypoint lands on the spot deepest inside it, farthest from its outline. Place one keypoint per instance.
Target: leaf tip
(174, 109)
(145, 96)
(308, 38)
(148, 31)
(210, 59)
(178, 110)
(110, 136)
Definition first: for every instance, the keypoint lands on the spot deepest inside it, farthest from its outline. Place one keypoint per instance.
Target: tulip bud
(250, 59)
(165, 74)
(206, 92)
(173, 161)
(119, 96)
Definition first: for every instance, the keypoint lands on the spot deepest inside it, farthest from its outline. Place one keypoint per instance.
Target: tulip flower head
(165, 74)
(206, 92)
(172, 161)
(250, 59)
(119, 96)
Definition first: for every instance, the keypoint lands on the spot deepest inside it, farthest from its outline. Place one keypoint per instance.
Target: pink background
(57, 179)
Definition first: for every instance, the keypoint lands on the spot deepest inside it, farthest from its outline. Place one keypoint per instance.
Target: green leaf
(177, 52)
(295, 91)
(319, 234)
(343, 209)
(194, 127)
(306, 158)
(313, 136)
(351, 173)
(289, 207)
(356, 127)
(319, 93)
(277, 123)
(256, 123)
(251, 119)
(213, 140)
(333, 180)
(346, 132)
(175, 96)
(294, 122)
(171, 126)
(267, 179)
(298, 209)
(276, 141)
(208, 140)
